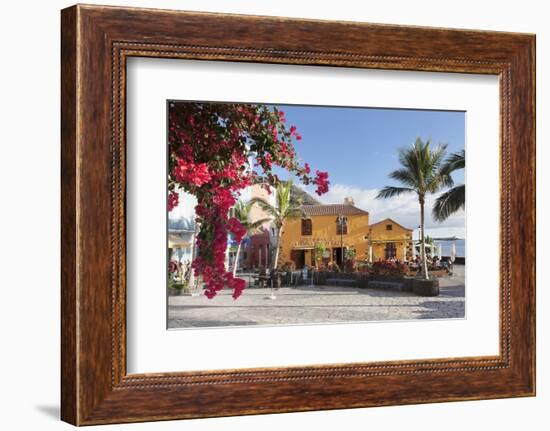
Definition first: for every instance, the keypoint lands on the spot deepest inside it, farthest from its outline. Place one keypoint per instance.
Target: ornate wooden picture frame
(96, 41)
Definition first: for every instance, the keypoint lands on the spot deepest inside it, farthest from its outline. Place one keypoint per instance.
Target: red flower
(236, 228)
(201, 174)
(268, 160)
(223, 199)
(190, 173)
(173, 267)
(173, 200)
(274, 133)
(238, 286)
(322, 182)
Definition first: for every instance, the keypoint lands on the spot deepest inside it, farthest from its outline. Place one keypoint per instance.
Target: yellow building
(341, 227)
(388, 239)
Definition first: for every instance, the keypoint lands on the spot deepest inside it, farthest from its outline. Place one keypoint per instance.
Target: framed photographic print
(268, 215)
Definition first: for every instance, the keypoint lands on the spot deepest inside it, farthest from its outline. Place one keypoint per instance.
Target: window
(307, 226)
(341, 225)
(389, 227)
(390, 250)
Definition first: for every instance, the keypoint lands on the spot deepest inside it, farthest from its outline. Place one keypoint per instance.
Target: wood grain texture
(96, 41)
(69, 370)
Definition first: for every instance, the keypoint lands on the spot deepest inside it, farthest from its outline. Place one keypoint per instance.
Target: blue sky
(359, 147)
(364, 141)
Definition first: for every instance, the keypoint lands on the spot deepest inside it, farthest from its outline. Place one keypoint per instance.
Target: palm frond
(437, 155)
(285, 205)
(252, 227)
(295, 212)
(421, 168)
(449, 203)
(389, 192)
(264, 206)
(455, 162)
(404, 176)
(438, 181)
(446, 180)
(240, 211)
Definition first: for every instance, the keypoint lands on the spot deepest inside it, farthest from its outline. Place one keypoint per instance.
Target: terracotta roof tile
(333, 209)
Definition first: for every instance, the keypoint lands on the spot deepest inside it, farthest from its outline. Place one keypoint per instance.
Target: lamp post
(341, 224)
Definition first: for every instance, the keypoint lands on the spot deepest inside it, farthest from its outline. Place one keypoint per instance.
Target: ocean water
(460, 246)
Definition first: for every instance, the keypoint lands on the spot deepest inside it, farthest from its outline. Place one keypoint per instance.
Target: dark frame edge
(69, 411)
(530, 63)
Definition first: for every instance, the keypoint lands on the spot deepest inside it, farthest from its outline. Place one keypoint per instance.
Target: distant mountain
(298, 194)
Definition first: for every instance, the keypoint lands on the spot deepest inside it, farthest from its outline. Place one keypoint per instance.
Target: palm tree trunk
(227, 256)
(193, 254)
(236, 259)
(277, 247)
(422, 240)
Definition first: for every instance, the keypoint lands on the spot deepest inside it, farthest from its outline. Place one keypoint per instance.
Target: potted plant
(350, 263)
(424, 287)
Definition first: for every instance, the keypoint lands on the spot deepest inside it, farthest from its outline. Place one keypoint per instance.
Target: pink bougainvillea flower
(173, 200)
(321, 181)
(195, 174)
(236, 228)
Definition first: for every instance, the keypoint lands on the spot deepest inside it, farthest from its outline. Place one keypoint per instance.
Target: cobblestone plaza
(317, 304)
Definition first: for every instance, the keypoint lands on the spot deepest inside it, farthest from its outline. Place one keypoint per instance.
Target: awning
(175, 241)
(303, 247)
(389, 241)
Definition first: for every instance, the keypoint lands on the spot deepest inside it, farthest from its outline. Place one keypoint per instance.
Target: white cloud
(403, 209)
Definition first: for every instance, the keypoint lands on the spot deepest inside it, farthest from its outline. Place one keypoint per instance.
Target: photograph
(282, 214)
(254, 215)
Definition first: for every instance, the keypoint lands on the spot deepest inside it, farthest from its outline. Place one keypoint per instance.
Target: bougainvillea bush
(216, 150)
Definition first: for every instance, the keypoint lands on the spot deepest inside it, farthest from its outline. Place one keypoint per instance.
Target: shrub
(333, 266)
(350, 265)
(388, 268)
(318, 252)
(364, 267)
(350, 254)
(173, 267)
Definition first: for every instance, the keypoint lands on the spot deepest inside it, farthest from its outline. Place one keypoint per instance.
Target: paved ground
(326, 304)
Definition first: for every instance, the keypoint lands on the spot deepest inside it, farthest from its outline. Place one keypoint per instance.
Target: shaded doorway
(338, 255)
(298, 257)
(390, 250)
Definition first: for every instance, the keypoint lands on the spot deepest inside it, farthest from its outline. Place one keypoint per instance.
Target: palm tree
(421, 173)
(452, 200)
(285, 208)
(241, 211)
